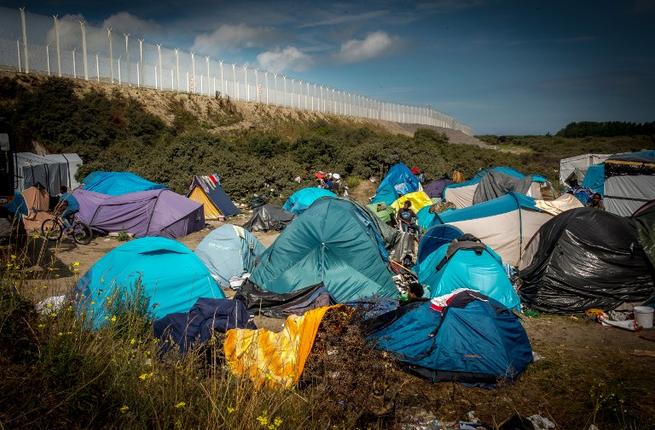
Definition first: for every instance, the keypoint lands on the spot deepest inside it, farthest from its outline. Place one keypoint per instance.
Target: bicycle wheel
(52, 229)
(82, 233)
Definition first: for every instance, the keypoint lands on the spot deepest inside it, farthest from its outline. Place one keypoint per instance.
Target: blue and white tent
(398, 182)
(506, 224)
(229, 251)
(463, 194)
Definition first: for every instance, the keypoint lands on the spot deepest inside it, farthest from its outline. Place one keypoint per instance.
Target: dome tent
(398, 182)
(335, 242)
(304, 198)
(466, 263)
(118, 183)
(229, 251)
(169, 274)
(268, 217)
(472, 339)
(570, 267)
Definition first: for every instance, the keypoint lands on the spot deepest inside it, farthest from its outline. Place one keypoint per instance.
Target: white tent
(580, 162)
(52, 170)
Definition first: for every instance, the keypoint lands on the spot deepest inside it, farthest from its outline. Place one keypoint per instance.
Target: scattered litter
(470, 415)
(592, 427)
(537, 357)
(237, 281)
(51, 304)
(541, 423)
(643, 353)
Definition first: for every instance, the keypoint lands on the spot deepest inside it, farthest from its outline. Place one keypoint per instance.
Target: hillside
(168, 137)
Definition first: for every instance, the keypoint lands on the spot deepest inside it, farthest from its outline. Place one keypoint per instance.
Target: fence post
(74, 65)
(120, 82)
(139, 66)
(275, 90)
(84, 54)
(235, 87)
(208, 88)
(193, 71)
(266, 83)
(245, 80)
(156, 81)
(284, 94)
(97, 68)
(257, 97)
(47, 57)
(23, 24)
(111, 55)
(220, 66)
(127, 58)
(177, 69)
(56, 25)
(138, 75)
(18, 51)
(161, 70)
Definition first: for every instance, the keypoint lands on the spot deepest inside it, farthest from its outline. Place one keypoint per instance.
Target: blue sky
(502, 67)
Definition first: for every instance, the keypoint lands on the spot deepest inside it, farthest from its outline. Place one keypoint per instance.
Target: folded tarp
(118, 183)
(187, 329)
(276, 305)
(147, 213)
(274, 359)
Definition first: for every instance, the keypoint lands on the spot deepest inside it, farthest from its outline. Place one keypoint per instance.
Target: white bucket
(644, 316)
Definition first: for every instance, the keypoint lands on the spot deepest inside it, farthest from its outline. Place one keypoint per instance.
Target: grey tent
(52, 171)
(268, 217)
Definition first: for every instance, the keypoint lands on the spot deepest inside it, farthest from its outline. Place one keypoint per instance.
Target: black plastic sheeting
(268, 217)
(276, 305)
(644, 218)
(496, 184)
(585, 258)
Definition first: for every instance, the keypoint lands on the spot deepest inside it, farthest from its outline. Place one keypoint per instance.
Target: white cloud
(289, 58)
(125, 22)
(373, 45)
(232, 37)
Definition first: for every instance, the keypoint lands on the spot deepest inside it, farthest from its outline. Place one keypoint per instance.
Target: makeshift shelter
(398, 182)
(464, 337)
(229, 251)
(418, 199)
(561, 204)
(37, 204)
(163, 272)
(644, 219)
(207, 191)
(492, 183)
(117, 183)
(52, 171)
(629, 181)
(467, 264)
(273, 359)
(568, 166)
(436, 187)
(304, 198)
(335, 242)
(268, 217)
(145, 213)
(585, 258)
(506, 224)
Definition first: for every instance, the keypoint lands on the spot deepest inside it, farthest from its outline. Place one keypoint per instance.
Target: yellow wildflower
(230, 409)
(180, 405)
(132, 341)
(124, 409)
(76, 263)
(263, 420)
(113, 318)
(41, 326)
(13, 257)
(145, 376)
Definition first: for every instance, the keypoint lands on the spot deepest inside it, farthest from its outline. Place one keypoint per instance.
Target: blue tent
(478, 270)
(117, 183)
(335, 242)
(398, 182)
(304, 198)
(436, 236)
(473, 341)
(169, 274)
(594, 179)
(229, 251)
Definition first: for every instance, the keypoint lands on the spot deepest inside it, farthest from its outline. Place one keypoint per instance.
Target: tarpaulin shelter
(335, 242)
(207, 190)
(436, 187)
(299, 201)
(585, 258)
(465, 264)
(118, 183)
(506, 224)
(162, 271)
(418, 199)
(398, 182)
(580, 162)
(629, 181)
(492, 183)
(644, 219)
(145, 213)
(273, 359)
(52, 171)
(229, 251)
(37, 204)
(472, 339)
(268, 217)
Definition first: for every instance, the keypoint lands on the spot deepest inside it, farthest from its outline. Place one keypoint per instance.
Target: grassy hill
(168, 137)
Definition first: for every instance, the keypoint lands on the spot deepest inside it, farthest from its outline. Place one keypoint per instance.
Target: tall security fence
(67, 47)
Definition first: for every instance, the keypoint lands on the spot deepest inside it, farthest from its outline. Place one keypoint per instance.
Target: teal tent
(304, 198)
(335, 242)
(449, 268)
(118, 183)
(169, 275)
(229, 251)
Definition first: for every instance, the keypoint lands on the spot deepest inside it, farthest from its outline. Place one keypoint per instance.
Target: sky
(501, 67)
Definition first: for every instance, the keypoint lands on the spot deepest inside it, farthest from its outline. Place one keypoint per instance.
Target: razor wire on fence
(67, 47)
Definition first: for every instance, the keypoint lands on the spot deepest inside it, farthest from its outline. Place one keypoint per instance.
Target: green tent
(382, 211)
(335, 242)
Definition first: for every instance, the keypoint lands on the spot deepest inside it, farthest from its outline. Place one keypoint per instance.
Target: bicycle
(54, 228)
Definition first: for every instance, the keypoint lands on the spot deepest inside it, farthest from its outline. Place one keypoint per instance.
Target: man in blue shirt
(69, 204)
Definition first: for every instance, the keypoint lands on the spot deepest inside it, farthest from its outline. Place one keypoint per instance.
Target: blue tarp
(117, 183)
(482, 272)
(17, 205)
(304, 198)
(480, 342)
(398, 182)
(595, 179)
(229, 251)
(169, 274)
